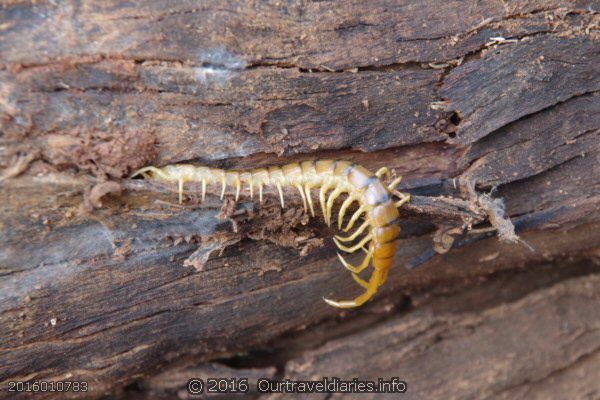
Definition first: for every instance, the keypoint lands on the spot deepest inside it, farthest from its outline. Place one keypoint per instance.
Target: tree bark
(489, 110)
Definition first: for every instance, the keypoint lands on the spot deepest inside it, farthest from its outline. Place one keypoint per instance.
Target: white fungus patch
(204, 74)
(217, 65)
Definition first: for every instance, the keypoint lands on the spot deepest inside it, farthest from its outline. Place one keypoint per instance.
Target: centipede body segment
(333, 178)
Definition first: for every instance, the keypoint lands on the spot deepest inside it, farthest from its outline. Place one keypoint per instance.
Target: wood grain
(119, 283)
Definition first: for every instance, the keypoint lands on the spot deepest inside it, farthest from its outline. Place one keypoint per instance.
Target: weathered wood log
(549, 337)
(548, 330)
(107, 279)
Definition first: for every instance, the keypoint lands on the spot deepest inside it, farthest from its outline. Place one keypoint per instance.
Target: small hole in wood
(455, 118)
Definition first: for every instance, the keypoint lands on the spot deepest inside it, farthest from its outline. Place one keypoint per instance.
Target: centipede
(378, 204)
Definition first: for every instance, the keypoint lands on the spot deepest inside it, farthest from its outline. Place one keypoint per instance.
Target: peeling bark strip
(141, 285)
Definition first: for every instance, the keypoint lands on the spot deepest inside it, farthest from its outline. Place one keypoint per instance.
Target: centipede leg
(260, 192)
(280, 194)
(238, 187)
(307, 189)
(322, 193)
(180, 189)
(203, 189)
(357, 302)
(343, 209)
(404, 198)
(361, 267)
(356, 215)
(334, 195)
(355, 234)
(355, 247)
(223, 184)
(299, 187)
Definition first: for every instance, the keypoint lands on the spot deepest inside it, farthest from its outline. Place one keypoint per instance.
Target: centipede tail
(333, 178)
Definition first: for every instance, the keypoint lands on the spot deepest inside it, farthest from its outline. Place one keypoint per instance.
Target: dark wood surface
(107, 279)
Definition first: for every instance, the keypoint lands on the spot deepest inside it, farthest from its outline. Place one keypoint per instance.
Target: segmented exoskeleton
(373, 197)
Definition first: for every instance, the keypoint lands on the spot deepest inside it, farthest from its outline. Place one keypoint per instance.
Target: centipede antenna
(334, 195)
(404, 198)
(392, 186)
(355, 247)
(356, 215)
(299, 187)
(152, 169)
(355, 234)
(180, 187)
(280, 193)
(203, 188)
(383, 171)
(140, 171)
(307, 189)
(343, 209)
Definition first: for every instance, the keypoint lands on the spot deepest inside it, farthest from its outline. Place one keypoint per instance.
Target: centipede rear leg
(360, 281)
(371, 287)
(357, 302)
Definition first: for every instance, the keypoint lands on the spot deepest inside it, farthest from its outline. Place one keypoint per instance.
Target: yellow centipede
(374, 198)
